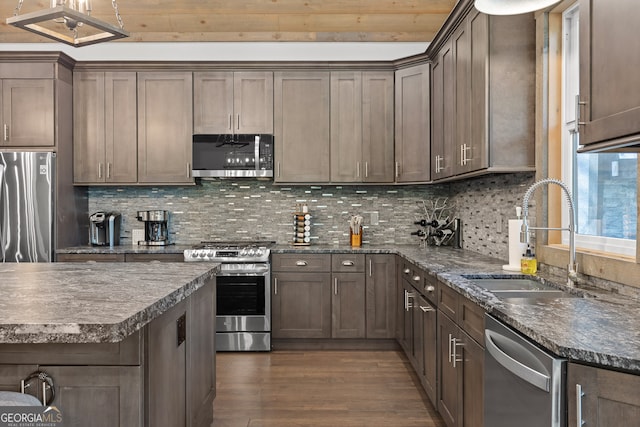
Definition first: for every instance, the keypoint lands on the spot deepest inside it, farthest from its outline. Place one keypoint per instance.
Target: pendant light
(512, 7)
(70, 22)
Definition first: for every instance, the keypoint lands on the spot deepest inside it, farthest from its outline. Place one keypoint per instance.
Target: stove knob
(202, 254)
(259, 252)
(250, 252)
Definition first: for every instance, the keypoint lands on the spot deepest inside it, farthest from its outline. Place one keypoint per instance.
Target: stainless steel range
(243, 292)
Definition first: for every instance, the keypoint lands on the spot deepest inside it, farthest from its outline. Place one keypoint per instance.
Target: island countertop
(91, 302)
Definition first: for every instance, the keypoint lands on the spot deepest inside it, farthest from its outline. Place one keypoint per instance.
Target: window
(604, 185)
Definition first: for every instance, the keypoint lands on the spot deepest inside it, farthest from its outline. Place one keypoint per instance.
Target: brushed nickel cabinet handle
(348, 263)
(230, 121)
(416, 278)
(426, 309)
(301, 263)
(456, 344)
(366, 169)
(370, 267)
(397, 169)
(450, 352)
(275, 286)
(430, 288)
(406, 271)
(238, 128)
(6, 132)
(579, 395)
(335, 286)
(188, 170)
(108, 170)
(99, 170)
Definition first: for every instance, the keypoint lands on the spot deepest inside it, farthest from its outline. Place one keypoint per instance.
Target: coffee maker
(156, 232)
(104, 229)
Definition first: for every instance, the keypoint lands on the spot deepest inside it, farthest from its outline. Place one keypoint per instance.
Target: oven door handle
(537, 379)
(254, 270)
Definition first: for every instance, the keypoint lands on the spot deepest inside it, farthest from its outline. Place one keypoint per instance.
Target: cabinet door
(100, 396)
(462, 110)
(213, 102)
(253, 102)
(348, 305)
(429, 372)
(412, 124)
(346, 127)
(448, 399)
(608, 398)
(165, 123)
(121, 127)
(28, 113)
(381, 296)
(377, 126)
(301, 305)
(105, 127)
(302, 126)
(165, 375)
(608, 54)
(471, 390)
(89, 155)
(201, 350)
(475, 155)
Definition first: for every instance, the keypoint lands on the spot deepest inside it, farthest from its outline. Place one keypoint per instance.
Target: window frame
(551, 252)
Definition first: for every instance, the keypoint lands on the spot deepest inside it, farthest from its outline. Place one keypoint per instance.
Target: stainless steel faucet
(572, 268)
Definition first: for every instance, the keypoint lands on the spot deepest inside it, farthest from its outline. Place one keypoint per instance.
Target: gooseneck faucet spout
(572, 269)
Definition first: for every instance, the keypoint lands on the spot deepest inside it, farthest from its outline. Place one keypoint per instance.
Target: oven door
(243, 304)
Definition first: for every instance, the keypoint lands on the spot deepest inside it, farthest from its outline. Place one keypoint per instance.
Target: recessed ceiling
(259, 20)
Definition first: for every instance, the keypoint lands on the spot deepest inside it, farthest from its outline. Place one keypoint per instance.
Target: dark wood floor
(319, 389)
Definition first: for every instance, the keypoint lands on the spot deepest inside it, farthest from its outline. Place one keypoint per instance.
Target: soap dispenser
(529, 263)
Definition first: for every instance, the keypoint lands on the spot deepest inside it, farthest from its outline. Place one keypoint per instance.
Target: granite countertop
(90, 302)
(599, 328)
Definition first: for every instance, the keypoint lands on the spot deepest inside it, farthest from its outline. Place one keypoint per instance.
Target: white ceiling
(231, 51)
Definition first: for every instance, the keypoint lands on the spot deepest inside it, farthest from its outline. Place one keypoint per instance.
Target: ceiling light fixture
(512, 7)
(70, 22)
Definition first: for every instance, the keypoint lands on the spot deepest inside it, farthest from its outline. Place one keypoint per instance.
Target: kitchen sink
(520, 288)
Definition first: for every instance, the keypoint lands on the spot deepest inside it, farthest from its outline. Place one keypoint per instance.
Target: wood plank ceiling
(259, 20)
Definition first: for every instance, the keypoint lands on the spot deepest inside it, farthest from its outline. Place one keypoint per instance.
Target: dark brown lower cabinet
(427, 315)
(348, 305)
(606, 398)
(301, 305)
(100, 396)
(460, 400)
(381, 296)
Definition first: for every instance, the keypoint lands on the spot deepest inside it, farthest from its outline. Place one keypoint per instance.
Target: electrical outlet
(374, 220)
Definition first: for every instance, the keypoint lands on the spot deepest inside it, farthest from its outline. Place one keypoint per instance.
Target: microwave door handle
(256, 151)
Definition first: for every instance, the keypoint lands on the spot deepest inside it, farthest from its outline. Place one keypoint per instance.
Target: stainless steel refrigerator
(27, 206)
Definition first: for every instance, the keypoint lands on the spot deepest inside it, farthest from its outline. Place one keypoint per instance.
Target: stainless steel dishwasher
(523, 384)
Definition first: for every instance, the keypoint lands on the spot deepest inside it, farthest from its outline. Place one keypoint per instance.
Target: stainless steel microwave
(229, 156)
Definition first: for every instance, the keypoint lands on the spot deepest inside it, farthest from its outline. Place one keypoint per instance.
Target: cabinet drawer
(448, 302)
(301, 262)
(154, 257)
(471, 319)
(347, 263)
(90, 257)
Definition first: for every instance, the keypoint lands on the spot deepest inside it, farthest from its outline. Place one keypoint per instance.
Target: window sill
(620, 269)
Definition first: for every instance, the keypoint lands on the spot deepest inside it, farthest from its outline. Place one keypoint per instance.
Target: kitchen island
(125, 344)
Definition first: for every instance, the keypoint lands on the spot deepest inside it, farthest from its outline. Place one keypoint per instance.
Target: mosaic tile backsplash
(249, 209)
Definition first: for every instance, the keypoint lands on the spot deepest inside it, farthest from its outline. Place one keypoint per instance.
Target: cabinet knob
(406, 271)
(416, 278)
(429, 288)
